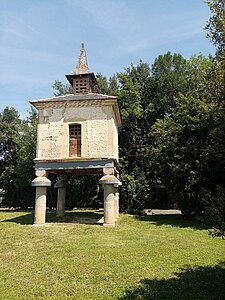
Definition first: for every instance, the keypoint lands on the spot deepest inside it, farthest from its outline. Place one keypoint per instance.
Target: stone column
(109, 197)
(116, 201)
(108, 171)
(61, 195)
(41, 182)
(108, 182)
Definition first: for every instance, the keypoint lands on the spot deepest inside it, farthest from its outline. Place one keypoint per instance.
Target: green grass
(155, 257)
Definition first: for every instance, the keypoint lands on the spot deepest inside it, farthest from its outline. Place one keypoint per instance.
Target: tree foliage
(216, 26)
(17, 150)
(62, 89)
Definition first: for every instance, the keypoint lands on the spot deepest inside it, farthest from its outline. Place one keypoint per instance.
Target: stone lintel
(70, 165)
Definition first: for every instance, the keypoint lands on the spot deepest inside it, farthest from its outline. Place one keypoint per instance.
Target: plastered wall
(99, 136)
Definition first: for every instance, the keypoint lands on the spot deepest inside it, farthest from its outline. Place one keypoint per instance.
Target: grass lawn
(154, 257)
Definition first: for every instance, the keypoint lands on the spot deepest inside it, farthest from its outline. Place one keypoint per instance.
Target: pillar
(61, 195)
(109, 182)
(108, 171)
(109, 206)
(116, 201)
(41, 182)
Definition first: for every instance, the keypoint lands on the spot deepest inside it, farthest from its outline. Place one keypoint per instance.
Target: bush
(214, 212)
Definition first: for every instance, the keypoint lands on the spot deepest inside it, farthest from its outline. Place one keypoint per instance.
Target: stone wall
(99, 137)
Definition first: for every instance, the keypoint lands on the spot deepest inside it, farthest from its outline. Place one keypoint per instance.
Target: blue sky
(40, 39)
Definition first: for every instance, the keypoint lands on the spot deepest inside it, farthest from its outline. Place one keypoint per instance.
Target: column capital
(41, 181)
(108, 179)
(119, 183)
(62, 181)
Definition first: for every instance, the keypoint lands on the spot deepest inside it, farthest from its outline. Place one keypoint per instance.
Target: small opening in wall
(75, 140)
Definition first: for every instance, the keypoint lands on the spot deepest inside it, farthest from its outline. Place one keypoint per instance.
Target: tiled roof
(72, 97)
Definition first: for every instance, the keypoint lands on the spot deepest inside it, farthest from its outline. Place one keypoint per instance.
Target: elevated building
(77, 135)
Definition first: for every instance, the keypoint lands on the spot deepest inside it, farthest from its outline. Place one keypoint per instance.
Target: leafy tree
(131, 95)
(79, 196)
(10, 126)
(213, 197)
(62, 89)
(102, 84)
(176, 137)
(188, 147)
(168, 78)
(17, 150)
(171, 145)
(216, 26)
(24, 168)
(214, 202)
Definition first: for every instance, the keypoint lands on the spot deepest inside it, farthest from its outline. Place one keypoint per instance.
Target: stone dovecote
(77, 134)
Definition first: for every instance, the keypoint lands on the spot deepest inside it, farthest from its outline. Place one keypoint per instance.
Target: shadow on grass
(25, 219)
(77, 217)
(173, 220)
(202, 283)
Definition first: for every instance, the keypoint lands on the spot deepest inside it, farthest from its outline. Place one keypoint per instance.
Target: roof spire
(82, 65)
(81, 78)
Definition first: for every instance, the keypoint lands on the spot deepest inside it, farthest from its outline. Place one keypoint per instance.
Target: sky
(40, 40)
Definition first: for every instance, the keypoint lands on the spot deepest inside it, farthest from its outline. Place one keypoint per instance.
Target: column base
(108, 225)
(39, 225)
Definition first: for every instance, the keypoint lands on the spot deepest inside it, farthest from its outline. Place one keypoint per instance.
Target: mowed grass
(155, 257)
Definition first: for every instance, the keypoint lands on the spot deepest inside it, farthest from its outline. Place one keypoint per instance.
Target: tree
(10, 126)
(17, 150)
(131, 96)
(214, 198)
(62, 89)
(24, 168)
(168, 79)
(216, 26)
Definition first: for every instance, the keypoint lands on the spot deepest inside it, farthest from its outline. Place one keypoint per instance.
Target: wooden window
(75, 140)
